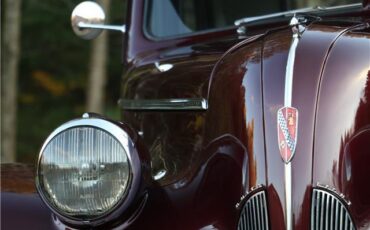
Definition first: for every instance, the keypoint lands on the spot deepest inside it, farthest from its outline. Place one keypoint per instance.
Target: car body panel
(342, 125)
(205, 164)
(236, 84)
(25, 211)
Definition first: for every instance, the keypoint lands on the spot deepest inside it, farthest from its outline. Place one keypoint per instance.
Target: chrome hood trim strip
(297, 30)
(179, 104)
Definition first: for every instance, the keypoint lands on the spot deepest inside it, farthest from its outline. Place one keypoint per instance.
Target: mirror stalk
(83, 25)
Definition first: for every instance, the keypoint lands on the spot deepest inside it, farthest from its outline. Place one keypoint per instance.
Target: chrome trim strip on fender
(297, 30)
(180, 104)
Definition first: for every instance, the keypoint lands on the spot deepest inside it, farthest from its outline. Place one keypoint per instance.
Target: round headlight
(84, 168)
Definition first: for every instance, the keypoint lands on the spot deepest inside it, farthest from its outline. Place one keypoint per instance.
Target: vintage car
(235, 115)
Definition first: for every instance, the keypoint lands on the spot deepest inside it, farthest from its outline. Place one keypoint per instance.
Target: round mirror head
(87, 13)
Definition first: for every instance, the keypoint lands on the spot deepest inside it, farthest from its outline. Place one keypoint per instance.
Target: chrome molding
(83, 25)
(288, 196)
(329, 211)
(297, 30)
(308, 10)
(180, 104)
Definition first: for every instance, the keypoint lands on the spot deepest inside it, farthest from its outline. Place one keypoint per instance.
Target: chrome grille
(328, 212)
(254, 213)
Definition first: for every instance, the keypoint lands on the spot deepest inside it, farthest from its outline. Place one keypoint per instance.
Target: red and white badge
(287, 120)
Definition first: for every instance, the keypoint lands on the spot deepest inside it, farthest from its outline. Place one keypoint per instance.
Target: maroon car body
(219, 155)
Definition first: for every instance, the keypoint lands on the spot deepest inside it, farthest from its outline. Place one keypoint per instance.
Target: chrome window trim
(289, 13)
(179, 104)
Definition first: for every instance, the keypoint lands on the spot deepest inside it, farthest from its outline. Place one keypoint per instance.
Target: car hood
(330, 92)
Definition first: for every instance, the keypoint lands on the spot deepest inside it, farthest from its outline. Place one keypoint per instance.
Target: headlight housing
(85, 169)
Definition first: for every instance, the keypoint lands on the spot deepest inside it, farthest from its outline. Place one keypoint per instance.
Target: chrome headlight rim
(121, 133)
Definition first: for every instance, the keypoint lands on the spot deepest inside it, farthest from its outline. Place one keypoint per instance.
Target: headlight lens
(83, 172)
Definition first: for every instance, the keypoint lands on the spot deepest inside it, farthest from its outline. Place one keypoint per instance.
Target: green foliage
(53, 71)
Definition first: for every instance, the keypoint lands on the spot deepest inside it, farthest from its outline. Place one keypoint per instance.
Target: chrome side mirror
(88, 20)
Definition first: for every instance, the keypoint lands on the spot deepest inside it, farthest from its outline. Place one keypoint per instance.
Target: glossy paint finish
(275, 54)
(24, 211)
(311, 53)
(314, 46)
(139, 46)
(179, 142)
(246, 89)
(202, 162)
(235, 104)
(342, 127)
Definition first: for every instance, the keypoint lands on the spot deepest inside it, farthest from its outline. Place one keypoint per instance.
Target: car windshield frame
(260, 19)
(151, 37)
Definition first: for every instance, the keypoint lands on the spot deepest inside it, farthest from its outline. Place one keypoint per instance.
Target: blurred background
(49, 75)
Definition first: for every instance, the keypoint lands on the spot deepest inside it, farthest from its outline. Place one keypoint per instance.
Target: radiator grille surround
(329, 212)
(254, 214)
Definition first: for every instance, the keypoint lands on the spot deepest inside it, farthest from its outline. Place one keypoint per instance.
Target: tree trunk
(98, 69)
(9, 75)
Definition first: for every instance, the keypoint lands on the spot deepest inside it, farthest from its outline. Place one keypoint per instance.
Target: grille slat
(332, 214)
(322, 210)
(341, 218)
(253, 201)
(243, 220)
(317, 205)
(327, 208)
(328, 212)
(259, 212)
(250, 215)
(336, 215)
(254, 214)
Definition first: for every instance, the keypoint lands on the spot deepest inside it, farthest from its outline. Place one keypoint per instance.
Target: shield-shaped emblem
(287, 120)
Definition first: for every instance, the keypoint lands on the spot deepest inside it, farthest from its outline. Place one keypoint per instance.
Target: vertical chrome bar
(332, 220)
(313, 209)
(250, 226)
(254, 212)
(241, 220)
(341, 219)
(346, 222)
(263, 220)
(258, 212)
(322, 210)
(294, 23)
(244, 221)
(288, 195)
(265, 211)
(327, 212)
(336, 215)
(318, 210)
(263, 224)
(290, 67)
